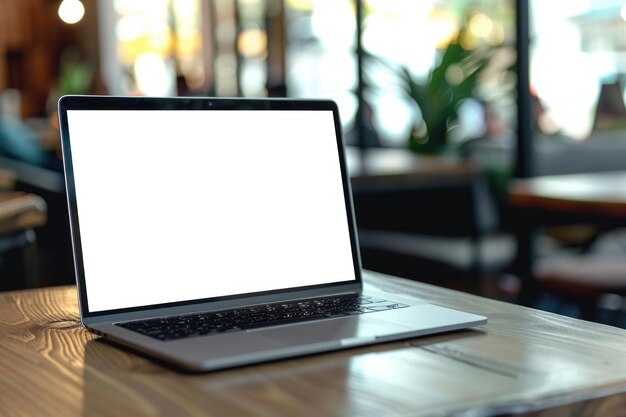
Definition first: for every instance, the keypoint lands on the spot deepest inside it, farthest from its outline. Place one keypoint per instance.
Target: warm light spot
(160, 42)
(622, 11)
(193, 70)
(252, 42)
(71, 11)
(480, 25)
(306, 5)
(442, 26)
(497, 35)
(468, 41)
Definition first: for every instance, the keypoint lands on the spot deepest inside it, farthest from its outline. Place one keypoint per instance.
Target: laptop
(211, 233)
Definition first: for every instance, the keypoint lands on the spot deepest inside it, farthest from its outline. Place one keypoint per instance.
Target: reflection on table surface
(522, 360)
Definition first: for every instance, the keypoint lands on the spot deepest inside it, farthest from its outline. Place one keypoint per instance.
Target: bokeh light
(71, 11)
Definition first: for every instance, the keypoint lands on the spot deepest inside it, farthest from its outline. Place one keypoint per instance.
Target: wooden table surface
(601, 193)
(402, 168)
(523, 360)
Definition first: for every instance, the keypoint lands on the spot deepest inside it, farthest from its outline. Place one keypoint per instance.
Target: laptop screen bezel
(72, 102)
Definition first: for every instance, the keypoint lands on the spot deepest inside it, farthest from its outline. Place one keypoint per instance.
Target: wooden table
(594, 198)
(601, 194)
(393, 168)
(523, 361)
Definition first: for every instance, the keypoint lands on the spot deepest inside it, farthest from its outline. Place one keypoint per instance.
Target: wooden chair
(444, 233)
(584, 278)
(20, 214)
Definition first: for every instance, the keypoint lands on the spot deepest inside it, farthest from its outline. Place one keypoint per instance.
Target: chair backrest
(460, 207)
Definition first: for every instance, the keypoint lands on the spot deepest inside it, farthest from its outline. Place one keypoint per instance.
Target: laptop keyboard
(253, 317)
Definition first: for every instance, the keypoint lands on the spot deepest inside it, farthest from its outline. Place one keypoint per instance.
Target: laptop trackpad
(331, 330)
(278, 342)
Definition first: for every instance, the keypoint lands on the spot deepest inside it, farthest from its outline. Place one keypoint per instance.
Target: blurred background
(445, 104)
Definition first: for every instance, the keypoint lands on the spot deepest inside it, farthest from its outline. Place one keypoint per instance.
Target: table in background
(599, 194)
(596, 198)
(400, 167)
(523, 360)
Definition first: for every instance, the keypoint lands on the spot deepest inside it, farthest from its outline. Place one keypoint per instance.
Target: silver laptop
(211, 233)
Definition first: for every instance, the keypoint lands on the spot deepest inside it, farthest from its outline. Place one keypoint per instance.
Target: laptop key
(379, 308)
(259, 316)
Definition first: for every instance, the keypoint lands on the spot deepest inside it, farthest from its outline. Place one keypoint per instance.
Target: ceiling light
(71, 11)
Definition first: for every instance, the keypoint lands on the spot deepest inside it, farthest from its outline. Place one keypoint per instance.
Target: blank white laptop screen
(184, 205)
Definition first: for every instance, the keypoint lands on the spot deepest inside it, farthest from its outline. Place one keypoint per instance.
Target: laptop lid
(178, 201)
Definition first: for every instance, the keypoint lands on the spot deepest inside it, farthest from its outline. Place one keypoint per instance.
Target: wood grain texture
(523, 360)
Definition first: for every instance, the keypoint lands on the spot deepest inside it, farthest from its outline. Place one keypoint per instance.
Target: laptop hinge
(223, 304)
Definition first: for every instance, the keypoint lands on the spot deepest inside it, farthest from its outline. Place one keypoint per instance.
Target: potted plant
(439, 96)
